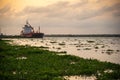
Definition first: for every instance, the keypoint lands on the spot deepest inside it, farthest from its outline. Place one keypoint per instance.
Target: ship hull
(34, 35)
(38, 35)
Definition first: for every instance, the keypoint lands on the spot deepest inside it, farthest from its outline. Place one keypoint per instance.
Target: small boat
(28, 32)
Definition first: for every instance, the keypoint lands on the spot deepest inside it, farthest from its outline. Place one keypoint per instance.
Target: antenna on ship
(39, 29)
(27, 22)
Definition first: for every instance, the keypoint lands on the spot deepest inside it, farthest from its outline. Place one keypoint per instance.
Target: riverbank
(34, 63)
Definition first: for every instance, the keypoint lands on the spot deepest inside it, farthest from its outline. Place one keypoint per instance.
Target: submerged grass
(46, 65)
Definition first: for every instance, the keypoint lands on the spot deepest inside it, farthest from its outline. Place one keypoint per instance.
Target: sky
(61, 16)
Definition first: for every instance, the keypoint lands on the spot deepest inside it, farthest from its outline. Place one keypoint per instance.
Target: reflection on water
(101, 48)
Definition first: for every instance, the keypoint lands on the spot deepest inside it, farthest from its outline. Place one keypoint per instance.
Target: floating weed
(78, 49)
(53, 42)
(90, 41)
(96, 50)
(96, 47)
(63, 43)
(87, 49)
(103, 46)
(109, 51)
(78, 46)
(59, 48)
(42, 41)
(117, 50)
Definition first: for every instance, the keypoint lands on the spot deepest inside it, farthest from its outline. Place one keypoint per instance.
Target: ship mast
(39, 29)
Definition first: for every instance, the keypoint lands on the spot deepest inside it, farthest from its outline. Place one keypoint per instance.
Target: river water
(100, 48)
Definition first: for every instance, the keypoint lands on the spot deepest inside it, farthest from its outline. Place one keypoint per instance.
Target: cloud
(99, 16)
(88, 13)
(58, 9)
(79, 3)
(114, 7)
(117, 13)
(67, 10)
(5, 9)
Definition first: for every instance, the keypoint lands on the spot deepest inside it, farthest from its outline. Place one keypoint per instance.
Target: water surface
(101, 48)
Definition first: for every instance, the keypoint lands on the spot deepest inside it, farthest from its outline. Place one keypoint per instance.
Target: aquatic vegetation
(109, 51)
(78, 49)
(117, 50)
(53, 42)
(87, 48)
(96, 47)
(58, 48)
(90, 41)
(42, 41)
(78, 46)
(102, 46)
(63, 43)
(47, 65)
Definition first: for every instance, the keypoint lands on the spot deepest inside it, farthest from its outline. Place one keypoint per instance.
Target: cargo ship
(28, 32)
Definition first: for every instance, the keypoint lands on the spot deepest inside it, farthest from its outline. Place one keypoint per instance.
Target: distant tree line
(65, 35)
(84, 35)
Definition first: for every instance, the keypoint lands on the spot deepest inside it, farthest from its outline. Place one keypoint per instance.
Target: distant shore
(66, 35)
(83, 35)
